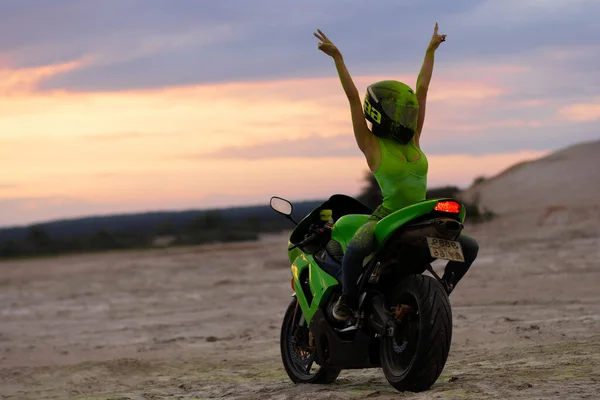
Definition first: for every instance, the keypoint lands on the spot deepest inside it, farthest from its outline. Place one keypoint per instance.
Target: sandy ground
(203, 322)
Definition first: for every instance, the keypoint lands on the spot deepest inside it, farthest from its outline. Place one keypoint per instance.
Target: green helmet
(393, 109)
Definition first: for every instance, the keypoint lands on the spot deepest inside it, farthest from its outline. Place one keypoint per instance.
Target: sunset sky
(140, 105)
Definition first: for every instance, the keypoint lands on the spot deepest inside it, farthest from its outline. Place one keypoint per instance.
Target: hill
(565, 179)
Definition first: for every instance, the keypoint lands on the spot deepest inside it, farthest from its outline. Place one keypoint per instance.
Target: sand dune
(568, 179)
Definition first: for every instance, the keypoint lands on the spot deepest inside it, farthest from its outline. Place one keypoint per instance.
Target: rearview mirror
(282, 206)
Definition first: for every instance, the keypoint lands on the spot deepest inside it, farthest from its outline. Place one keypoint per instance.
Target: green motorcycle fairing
(346, 226)
(320, 282)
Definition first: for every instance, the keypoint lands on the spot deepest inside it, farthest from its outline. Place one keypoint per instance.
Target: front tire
(414, 358)
(298, 359)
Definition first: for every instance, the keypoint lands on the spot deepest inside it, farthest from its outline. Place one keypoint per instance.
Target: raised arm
(364, 137)
(425, 77)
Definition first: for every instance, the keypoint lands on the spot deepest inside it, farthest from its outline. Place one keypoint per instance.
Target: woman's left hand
(326, 46)
(436, 40)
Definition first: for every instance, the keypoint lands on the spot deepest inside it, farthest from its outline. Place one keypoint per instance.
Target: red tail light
(448, 206)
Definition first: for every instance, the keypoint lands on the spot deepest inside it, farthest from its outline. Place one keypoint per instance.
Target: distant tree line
(206, 228)
(148, 230)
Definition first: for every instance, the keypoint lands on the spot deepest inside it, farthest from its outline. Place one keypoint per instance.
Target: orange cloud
(127, 148)
(25, 80)
(582, 112)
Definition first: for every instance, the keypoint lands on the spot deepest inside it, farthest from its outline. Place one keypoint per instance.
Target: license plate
(445, 249)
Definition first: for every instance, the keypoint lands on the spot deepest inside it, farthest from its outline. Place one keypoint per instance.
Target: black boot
(344, 308)
(448, 282)
(448, 286)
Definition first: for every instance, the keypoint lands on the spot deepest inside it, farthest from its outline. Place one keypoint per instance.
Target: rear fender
(388, 225)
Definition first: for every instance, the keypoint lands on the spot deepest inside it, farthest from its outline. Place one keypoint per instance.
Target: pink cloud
(534, 103)
(508, 123)
(560, 53)
(581, 112)
(465, 90)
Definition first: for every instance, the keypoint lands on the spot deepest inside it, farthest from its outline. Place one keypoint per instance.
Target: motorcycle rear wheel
(414, 358)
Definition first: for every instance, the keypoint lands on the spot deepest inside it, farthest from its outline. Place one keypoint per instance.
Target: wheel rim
(401, 349)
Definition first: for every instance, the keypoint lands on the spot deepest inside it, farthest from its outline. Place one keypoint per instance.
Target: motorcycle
(403, 322)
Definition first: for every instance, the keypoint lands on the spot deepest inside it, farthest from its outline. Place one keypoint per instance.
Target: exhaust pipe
(448, 227)
(443, 228)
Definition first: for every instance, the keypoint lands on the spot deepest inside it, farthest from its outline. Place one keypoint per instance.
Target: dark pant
(455, 270)
(360, 246)
(363, 243)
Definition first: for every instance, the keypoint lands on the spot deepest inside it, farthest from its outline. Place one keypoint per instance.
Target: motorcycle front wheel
(296, 353)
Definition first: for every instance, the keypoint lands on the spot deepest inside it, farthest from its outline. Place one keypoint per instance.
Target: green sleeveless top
(402, 182)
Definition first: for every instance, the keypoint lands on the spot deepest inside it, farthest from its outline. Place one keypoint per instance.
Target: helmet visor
(402, 114)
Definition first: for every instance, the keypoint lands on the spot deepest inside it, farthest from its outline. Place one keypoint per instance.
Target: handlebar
(308, 239)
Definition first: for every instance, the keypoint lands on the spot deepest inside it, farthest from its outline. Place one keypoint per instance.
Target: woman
(394, 157)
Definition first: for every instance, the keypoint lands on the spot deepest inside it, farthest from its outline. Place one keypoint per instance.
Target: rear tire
(417, 362)
(295, 363)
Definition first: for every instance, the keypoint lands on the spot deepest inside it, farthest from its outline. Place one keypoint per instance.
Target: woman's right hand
(326, 46)
(435, 39)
